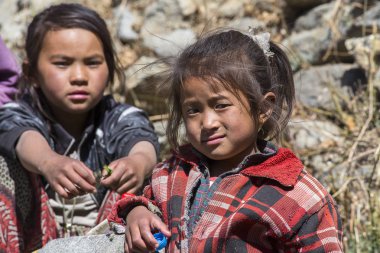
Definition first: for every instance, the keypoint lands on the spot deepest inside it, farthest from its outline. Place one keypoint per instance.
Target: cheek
(192, 130)
(103, 75)
(49, 80)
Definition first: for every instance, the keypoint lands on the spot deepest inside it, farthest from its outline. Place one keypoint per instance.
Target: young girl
(229, 189)
(62, 131)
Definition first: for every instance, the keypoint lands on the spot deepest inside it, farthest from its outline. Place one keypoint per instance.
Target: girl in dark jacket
(56, 139)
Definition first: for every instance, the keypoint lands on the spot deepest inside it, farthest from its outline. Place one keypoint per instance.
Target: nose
(78, 75)
(210, 120)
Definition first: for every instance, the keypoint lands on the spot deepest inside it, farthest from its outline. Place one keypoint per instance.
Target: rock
(366, 23)
(243, 24)
(363, 48)
(307, 46)
(231, 8)
(313, 134)
(188, 7)
(111, 243)
(316, 17)
(125, 26)
(169, 44)
(11, 7)
(305, 4)
(315, 86)
(159, 12)
(140, 71)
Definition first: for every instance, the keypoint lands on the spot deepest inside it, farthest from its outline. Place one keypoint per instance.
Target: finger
(80, 185)
(128, 242)
(129, 182)
(85, 173)
(114, 180)
(80, 182)
(69, 186)
(111, 183)
(137, 242)
(157, 224)
(62, 192)
(129, 186)
(81, 191)
(147, 236)
(107, 170)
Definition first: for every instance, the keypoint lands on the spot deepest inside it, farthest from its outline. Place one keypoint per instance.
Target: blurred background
(334, 49)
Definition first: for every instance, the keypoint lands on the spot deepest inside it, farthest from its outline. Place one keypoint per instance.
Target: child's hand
(67, 176)
(141, 224)
(127, 175)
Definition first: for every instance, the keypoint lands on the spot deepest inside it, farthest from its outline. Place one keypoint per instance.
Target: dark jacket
(112, 130)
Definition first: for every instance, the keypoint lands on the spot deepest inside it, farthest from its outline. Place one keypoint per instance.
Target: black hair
(66, 16)
(233, 59)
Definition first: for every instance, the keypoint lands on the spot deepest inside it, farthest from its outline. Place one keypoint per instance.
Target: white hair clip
(262, 39)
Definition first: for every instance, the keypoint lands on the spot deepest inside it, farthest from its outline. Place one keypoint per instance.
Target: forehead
(194, 85)
(73, 41)
(205, 84)
(209, 88)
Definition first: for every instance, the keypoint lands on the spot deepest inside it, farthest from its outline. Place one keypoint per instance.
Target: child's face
(72, 71)
(218, 124)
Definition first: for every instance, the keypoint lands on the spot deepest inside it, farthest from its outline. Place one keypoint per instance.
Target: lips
(78, 95)
(213, 140)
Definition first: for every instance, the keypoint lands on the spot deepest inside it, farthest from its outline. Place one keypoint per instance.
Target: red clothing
(27, 222)
(269, 204)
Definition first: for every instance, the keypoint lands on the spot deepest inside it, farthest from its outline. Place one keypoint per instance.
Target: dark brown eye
(61, 64)
(221, 106)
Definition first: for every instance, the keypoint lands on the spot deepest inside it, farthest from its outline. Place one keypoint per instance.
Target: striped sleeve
(320, 230)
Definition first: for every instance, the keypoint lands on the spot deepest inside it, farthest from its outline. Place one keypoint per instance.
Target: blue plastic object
(161, 239)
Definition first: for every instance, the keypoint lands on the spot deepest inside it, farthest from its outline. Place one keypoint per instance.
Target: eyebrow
(62, 56)
(188, 101)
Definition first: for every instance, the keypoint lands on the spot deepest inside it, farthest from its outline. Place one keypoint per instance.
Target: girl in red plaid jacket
(229, 189)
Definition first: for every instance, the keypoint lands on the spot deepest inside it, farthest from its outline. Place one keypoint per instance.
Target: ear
(268, 103)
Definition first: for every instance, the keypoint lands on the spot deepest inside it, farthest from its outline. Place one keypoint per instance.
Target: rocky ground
(334, 48)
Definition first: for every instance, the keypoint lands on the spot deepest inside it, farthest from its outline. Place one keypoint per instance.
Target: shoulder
(165, 166)
(289, 209)
(306, 197)
(120, 111)
(20, 109)
(20, 104)
(310, 189)
(310, 193)
(175, 162)
(109, 105)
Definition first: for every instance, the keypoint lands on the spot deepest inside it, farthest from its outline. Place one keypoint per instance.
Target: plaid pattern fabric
(270, 204)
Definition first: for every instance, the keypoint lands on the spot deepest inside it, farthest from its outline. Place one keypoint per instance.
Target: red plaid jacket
(270, 205)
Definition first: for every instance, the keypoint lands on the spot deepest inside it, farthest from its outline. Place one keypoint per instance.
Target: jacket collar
(64, 142)
(280, 165)
(283, 167)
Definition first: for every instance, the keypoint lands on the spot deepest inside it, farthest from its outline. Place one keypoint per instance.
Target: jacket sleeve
(9, 74)
(15, 119)
(122, 207)
(124, 127)
(322, 231)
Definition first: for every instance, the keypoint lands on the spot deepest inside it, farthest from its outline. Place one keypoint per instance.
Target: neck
(218, 167)
(73, 124)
